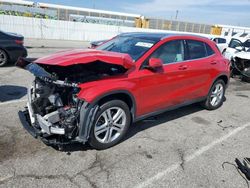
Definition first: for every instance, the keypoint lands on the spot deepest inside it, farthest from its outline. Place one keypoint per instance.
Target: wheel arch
(222, 77)
(7, 53)
(122, 95)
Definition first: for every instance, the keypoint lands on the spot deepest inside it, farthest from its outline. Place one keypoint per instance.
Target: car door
(200, 63)
(221, 43)
(230, 51)
(160, 89)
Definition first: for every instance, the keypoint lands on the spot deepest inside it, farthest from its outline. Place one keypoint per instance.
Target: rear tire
(110, 125)
(3, 58)
(216, 96)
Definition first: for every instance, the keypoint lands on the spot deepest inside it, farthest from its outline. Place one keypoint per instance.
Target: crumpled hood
(242, 55)
(85, 56)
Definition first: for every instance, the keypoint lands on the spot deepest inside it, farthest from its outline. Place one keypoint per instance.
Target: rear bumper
(15, 54)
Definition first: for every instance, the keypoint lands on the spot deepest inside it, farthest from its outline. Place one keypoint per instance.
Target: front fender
(96, 91)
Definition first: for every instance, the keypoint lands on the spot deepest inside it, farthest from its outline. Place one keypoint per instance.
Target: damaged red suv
(94, 95)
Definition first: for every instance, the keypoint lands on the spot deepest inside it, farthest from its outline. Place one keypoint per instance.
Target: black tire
(93, 139)
(3, 58)
(207, 104)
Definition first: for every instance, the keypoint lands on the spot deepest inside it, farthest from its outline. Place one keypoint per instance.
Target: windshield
(247, 44)
(133, 46)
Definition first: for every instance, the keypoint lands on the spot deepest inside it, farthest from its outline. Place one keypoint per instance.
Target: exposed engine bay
(241, 67)
(53, 107)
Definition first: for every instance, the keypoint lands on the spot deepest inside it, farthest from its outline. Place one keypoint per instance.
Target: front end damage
(54, 113)
(241, 66)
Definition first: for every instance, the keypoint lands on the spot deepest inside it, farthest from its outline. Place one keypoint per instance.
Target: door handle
(213, 62)
(183, 67)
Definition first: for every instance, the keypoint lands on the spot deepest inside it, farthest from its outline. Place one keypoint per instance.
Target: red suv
(94, 95)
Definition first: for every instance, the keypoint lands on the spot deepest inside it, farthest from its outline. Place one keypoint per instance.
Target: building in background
(86, 15)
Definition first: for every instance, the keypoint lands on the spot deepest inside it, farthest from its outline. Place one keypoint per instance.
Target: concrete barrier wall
(63, 30)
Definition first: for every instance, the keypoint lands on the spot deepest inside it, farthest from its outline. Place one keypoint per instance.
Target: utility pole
(176, 15)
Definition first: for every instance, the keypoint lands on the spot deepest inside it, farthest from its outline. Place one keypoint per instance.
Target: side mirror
(155, 63)
(239, 48)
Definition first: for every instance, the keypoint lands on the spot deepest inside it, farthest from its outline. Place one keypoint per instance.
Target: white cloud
(201, 11)
(166, 5)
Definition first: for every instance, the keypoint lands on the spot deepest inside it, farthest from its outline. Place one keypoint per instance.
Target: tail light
(20, 42)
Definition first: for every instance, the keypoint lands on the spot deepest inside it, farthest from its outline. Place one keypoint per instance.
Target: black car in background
(11, 48)
(94, 44)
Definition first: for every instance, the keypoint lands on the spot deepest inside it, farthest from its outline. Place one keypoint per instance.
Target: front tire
(110, 125)
(3, 58)
(216, 96)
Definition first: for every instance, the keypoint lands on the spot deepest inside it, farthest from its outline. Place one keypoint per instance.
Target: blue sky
(230, 12)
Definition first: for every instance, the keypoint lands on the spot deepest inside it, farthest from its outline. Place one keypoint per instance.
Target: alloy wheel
(3, 58)
(110, 125)
(217, 94)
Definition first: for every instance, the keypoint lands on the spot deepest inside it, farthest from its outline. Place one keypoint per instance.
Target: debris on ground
(244, 166)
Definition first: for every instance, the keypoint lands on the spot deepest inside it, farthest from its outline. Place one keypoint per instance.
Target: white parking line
(189, 158)
(13, 102)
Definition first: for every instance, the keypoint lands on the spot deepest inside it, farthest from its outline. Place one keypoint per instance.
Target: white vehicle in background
(238, 52)
(221, 43)
(236, 46)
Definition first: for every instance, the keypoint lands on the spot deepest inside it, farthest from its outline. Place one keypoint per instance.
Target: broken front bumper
(36, 132)
(35, 124)
(45, 128)
(25, 120)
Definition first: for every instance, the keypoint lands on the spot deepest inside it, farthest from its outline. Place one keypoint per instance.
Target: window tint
(221, 40)
(215, 40)
(170, 52)
(209, 50)
(196, 49)
(235, 43)
(247, 44)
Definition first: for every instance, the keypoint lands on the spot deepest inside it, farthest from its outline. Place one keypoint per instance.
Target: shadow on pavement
(11, 92)
(143, 125)
(162, 118)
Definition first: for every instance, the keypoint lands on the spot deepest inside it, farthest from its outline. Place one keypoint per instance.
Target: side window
(170, 52)
(247, 43)
(221, 41)
(216, 40)
(235, 43)
(209, 50)
(196, 49)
